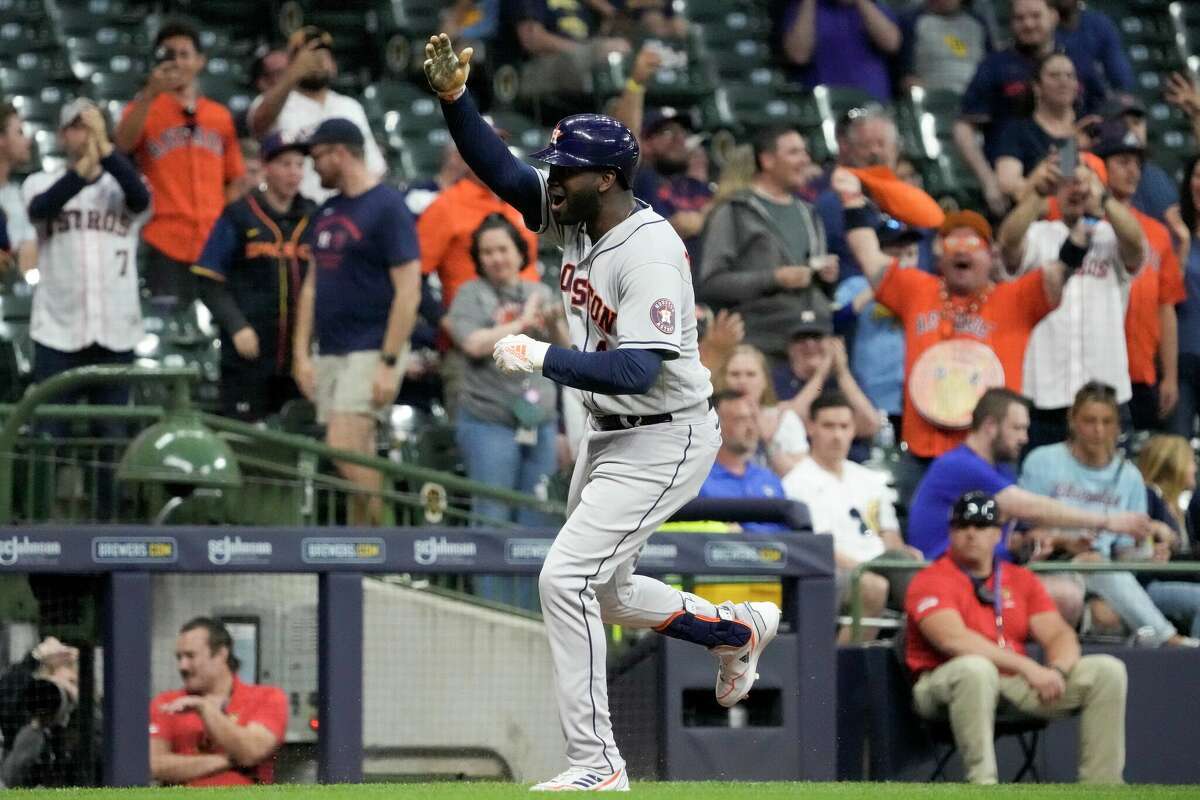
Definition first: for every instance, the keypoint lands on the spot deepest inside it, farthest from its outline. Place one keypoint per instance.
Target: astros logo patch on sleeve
(662, 314)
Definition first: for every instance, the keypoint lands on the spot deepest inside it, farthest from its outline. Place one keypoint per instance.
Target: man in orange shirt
(963, 332)
(1150, 325)
(187, 147)
(216, 731)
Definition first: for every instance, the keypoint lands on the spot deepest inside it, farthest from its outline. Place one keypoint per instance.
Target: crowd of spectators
(844, 308)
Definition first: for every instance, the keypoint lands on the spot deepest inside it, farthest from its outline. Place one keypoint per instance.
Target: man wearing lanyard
(969, 617)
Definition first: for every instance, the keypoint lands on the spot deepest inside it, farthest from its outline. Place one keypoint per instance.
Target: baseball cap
(277, 144)
(72, 110)
(894, 233)
(812, 323)
(967, 219)
(975, 510)
(336, 130)
(1121, 104)
(658, 118)
(1113, 137)
(309, 33)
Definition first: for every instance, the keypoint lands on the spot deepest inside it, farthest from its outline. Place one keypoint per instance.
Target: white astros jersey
(1084, 338)
(87, 261)
(632, 288)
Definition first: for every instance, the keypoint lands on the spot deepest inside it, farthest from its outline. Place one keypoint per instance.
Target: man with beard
(662, 178)
(1084, 338)
(652, 434)
(216, 730)
(764, 249)
(301, 100)
(359, 301)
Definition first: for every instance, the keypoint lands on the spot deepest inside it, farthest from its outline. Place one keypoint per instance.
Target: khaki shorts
(344, 383)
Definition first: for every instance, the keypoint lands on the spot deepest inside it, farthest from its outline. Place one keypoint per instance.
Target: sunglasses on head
(1098, 389)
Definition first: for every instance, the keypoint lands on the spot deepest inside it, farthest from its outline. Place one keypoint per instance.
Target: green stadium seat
(21, 37)
(739, 58)
(759, 106)
(74, 18)
(115, 86)
(23, 11)
(31, 72)
(402, 107)
(43, 107)
(707, 11)
(733, 26)
(418, 17)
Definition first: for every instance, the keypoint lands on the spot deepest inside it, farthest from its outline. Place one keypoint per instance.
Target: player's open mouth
(558, 198)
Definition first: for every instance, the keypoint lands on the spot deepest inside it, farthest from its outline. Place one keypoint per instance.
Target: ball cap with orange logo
(967, 219)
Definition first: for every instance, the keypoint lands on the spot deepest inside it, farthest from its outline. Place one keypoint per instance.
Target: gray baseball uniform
(631, 288)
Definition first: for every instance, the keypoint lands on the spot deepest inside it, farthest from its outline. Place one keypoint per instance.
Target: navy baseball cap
(658, 118)
(336, 130)
(1115, 137)
(894, 233)
(276, 144)
(812, 323)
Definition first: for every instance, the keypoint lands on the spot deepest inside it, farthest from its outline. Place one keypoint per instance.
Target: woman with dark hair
(1025, 143)
(1188, 312)
(507, 424)
(1088, 471)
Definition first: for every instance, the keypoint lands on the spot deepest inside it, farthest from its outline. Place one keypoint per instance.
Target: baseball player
(86, 309)
(652, 434)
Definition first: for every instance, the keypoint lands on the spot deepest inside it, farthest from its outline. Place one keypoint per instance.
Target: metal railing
(900, 565)
(282, 470)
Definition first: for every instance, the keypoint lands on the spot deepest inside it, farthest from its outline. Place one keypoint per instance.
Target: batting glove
(519, 354)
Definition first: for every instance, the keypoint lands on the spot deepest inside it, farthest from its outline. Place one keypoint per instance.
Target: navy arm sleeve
(137, 196)
(625, 370)
(516, 183)
(47, 204)
(5, 244)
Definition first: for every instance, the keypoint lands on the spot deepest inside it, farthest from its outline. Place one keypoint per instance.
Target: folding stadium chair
(1026, 729)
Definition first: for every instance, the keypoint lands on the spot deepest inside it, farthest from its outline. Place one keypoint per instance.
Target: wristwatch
(389, 359)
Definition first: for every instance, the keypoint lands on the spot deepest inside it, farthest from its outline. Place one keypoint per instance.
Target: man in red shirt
(969, 617)
(216, 731)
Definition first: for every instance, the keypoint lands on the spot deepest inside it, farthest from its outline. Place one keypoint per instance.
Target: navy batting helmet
(592, 140)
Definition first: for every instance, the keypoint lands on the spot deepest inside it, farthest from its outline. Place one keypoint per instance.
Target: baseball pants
(626, 484)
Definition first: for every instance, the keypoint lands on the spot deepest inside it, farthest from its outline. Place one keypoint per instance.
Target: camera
(164, 54)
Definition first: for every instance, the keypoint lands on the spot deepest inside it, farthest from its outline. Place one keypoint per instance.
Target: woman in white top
(785, 442)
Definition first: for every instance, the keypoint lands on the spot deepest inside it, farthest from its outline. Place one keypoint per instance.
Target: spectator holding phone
(1084, 338)
(187, 147)
(1025, 142)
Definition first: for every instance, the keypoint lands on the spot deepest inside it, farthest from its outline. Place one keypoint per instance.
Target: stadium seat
(74, 18)
(42, 107)
(115, 86)
(740, 57)
(20, 37)
(32, 11)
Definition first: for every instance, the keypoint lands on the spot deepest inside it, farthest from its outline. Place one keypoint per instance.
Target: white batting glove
(519, 353)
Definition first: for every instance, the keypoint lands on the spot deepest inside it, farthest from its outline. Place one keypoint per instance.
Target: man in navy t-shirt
(734, 473)
(662, 179)
(359, 301)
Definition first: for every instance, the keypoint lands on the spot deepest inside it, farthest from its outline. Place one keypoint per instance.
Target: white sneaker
(737, 670)
(582, 779)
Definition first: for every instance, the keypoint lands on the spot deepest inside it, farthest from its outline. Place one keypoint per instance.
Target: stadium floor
(665, 791)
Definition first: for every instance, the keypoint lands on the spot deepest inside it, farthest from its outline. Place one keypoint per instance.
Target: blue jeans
(492, 456)
(1184, 421)
(1179, 600)
(1131, 603)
